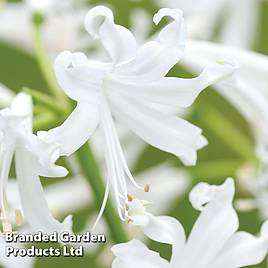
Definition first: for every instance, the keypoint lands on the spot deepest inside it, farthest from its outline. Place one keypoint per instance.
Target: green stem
(44, 62)
(44, 99)
(91, 171)
(44, 121)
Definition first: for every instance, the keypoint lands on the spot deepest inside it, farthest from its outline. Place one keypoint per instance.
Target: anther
(18, 217)
(146, 188)
(129, 198)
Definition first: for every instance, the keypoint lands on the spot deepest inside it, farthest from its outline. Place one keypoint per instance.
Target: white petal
(167, 230)
(171, 90)
(22, 105)
(11, 261)
(117, 40)
(135, 254)
(162, 229)
(248, 93)
(154, 59)
(80, 78)
(34, 205)
(243, 249)
(214, 227)
(252, 65)
(43, 156)
(6, 96)
(166, 132)
(75, 130)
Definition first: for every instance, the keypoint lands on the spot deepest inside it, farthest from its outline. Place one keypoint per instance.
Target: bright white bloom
(248, 93)
(214, 241)
(33, 157)
(129, 88)
(235, 21)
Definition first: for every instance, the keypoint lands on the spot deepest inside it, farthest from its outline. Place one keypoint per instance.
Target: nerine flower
(214, 241)
(131, 87)
(33, 157)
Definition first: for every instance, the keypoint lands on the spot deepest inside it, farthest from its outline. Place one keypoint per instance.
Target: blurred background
(232, 146)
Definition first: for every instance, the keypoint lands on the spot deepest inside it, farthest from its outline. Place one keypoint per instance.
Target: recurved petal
(117, 40)
(34, 204)
(166, 132)
(155, 58)
(243, 249)
(75, 130)
(43, 156)
(162, 229)
(135, 254)
(252, 66)
(80, 78)
(167, 230)
(172, 90)
(216, 224)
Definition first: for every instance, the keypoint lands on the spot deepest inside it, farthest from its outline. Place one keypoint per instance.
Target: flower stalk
(43, 60)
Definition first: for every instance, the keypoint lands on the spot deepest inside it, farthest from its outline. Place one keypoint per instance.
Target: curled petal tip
(204, 193)
(95, 18)
(63, 59)
(175, 13)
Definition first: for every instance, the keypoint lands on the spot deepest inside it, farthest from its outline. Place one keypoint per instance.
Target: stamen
(146, 188)
(18, 217)
(130, 197)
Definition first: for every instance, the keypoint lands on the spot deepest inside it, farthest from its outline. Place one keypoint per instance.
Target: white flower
(248, 93)
(33, 157)
(214, 241)
(128, 88)
(229, 18)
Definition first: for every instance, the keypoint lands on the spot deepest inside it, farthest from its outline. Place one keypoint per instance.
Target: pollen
(129, 198)
(146, 188)
(18, 217)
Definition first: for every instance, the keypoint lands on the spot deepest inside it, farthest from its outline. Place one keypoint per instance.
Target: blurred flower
(255, 182)
(213, 242)
(60, 31)
(248, 92)
(232, 22)
(130, 88)
(33, 157)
